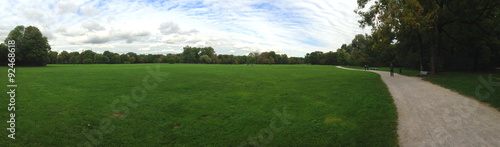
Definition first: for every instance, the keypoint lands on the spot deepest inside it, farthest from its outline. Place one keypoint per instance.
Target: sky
(292, 27)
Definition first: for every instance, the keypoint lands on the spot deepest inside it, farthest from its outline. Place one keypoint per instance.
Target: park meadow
(197, 104)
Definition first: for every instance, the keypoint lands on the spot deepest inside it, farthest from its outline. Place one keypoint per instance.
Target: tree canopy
(32, 48)
(435, 35)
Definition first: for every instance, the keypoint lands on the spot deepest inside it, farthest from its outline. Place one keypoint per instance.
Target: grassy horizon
(201, 105)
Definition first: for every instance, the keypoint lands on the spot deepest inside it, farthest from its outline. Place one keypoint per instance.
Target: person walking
(392, 70)
(366, 67)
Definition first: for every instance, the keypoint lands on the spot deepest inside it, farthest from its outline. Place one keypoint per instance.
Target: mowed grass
(200, 105)
(483, 86)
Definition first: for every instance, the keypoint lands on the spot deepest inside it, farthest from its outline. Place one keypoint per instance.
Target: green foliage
(3, 54)
(343, 57)
(191, 54)
(314, 57)
(205, 55)
(124, 58)
(252, 60)
(52, 57)
(63, 57)
(209, 51)
(73, 60)
(87, 61)
(296, 60)
(101, 59)
(433, 35)
(205, 59)
(87, 54)
(110, 56)
(31, 46)
(131, 59)
(117, 59)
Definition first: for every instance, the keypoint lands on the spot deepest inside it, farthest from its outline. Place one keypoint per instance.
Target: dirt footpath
(430, 115)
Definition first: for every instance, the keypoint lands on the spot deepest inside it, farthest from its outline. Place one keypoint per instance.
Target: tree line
(359, 52)
(432, 35)
(204, 55)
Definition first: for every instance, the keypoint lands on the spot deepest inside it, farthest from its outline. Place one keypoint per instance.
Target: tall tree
(31, 46)
(88, 54)
(446, 33)
(343, 57)
(190, 54)
(314, 57)
(124, 58)
(75, 58)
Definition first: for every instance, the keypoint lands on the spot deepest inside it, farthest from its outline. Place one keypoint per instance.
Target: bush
(87, 61)
(171, 61)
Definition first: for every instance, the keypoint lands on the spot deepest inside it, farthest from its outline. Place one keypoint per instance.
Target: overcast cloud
(293, 27)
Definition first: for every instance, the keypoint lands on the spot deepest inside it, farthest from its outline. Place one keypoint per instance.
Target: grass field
(477, 85)
(199, 105)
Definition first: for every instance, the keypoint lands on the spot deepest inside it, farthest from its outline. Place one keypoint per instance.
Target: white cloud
(72, 32)
(93, 26)
(105, 46)
(34, 15)
(95, 38)
(172, 28)
(66, 7)
(293, 27)
(170, 51)
(155, 45)
(90, 11)
(168, 28)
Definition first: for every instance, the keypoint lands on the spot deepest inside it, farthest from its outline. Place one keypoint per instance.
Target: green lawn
(473, 84)
(200, 105)
(470, 84)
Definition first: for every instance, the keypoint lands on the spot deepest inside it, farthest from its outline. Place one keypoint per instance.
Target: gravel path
(430, 115)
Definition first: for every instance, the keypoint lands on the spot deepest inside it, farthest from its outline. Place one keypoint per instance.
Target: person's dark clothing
(392, 70)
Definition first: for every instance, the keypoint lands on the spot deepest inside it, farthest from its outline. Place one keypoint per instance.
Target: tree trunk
(433, 59)
(421, 51)
(439, 26)
(434, 50)
(474, 66)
